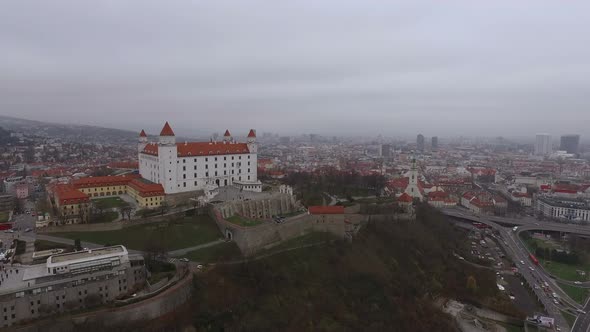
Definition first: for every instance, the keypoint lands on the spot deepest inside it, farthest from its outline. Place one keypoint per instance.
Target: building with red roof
(190, 166)
(72, 205)
(482, 202)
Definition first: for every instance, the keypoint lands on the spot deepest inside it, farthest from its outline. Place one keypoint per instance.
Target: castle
(188, 166)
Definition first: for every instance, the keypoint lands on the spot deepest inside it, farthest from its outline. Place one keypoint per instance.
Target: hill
(69, 132)
(385, 280)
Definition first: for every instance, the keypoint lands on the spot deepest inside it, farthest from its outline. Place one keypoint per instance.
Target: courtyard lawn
(243, 221)
(565, 271)
(3, 217)
(225, 251)
(109, 202)
(576, 293)
(175, 234)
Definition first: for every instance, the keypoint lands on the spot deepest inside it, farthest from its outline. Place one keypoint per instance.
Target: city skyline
(350, 69)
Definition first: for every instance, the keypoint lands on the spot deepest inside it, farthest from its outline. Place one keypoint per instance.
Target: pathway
(184, 251)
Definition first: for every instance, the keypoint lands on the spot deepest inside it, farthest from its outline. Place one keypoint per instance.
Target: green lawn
(565, 271)
(109, 202)
(242, 221)
(568, 317)
(225, 251)
(3, 216)
(576, 293)
(177, 234)
(512, 328)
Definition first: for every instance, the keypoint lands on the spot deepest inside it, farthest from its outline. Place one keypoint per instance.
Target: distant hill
(69, 132)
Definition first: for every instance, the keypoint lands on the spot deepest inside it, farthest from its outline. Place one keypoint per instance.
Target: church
(188, 166)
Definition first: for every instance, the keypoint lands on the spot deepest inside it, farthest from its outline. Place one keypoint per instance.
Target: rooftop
(84, 254)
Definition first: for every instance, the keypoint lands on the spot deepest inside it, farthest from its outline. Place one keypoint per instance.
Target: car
(33, 214)
(522, 262)
(9, 231)
(577, 282)
(184, 260)
(28, 230)
(531, 268)
(581, 311)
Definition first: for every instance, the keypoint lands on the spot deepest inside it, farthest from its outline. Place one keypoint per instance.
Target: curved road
(517, 250)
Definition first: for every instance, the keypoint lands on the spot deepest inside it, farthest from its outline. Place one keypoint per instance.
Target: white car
(531, 268)
(184, 260)
(577, 282)
(522, 262)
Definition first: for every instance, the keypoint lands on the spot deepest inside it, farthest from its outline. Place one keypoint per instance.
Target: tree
(125, 210)
(78, 244)
(471, 284)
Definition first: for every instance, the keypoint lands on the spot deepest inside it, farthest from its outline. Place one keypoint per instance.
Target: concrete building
(484, 203)
(543, 145)
(434, 143)
(22, 190)
(191, 166)
(570, 143)
(559, 207)
(67, 282)
(420, 143)
(385, 150)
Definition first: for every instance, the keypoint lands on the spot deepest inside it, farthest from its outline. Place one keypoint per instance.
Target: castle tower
(252, 146)
(142, 142)
(227, 136)
(167, 156)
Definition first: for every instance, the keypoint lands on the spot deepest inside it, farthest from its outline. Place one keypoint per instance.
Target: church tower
(413, 188)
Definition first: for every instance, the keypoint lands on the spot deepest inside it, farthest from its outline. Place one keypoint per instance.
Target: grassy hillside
(385, 280)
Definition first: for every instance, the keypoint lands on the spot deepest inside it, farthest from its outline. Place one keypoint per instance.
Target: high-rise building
(420, 143)
(543, 145)
(385, 150)
(434, 143)
(570, 143)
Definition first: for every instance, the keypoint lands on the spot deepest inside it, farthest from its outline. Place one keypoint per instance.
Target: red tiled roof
(146, 189)
(227, 134)
(66, 194)
(102, 181)
(142, 134)
(167, 131)
(322, 209)
(202, 149)
(252, 133)
(437, 194)
(405, 198)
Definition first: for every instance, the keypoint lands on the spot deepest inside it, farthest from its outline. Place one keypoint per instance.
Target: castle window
(215, 158)
(224, 158)
(206, 159)
(195, 167)
(184, 168)
(184, 161)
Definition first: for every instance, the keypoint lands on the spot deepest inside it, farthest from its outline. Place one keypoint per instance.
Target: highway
(535, 276)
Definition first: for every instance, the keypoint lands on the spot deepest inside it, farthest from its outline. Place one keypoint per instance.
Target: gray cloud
(337, 67)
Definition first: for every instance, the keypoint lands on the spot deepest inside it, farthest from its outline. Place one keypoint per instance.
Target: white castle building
(189, 166)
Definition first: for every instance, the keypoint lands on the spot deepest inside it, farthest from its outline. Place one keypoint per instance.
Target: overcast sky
(333, 67)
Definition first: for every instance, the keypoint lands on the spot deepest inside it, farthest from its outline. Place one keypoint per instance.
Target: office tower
(543, 145)
(570, 143)
(420, 143)
(434, 143)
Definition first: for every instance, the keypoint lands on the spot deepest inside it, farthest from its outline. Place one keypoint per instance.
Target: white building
(543, 145)
(188, 166)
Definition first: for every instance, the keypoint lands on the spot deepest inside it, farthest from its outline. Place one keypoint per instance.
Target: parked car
(184, 260)
(28, 230)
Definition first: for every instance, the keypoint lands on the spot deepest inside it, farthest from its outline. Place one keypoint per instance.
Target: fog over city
(508, 68)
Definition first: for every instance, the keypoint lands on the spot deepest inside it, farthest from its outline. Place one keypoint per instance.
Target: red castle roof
(202, 149)
(227, 134)
(142, 134)
(252, 133)
(167, 131)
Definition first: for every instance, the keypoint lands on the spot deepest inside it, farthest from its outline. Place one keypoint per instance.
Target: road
(534, 275)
